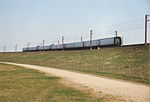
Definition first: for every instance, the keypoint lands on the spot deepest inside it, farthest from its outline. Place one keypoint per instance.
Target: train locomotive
(98, 43)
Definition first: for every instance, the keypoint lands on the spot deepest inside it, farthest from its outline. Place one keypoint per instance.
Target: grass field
(128, 63)
(18, 84)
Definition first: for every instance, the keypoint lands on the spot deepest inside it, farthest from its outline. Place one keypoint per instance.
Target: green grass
(18, 84)
(128, 63)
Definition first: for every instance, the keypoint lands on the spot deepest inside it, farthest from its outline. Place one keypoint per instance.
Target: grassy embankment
(129, 63)
(18, 84)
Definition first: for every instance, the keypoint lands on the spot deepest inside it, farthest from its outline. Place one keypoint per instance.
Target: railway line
(95, 44)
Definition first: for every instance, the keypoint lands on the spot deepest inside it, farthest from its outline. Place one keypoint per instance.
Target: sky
(23, 21)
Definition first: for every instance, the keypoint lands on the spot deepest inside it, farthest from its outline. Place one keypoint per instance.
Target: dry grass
(128, 63)
(18, 84)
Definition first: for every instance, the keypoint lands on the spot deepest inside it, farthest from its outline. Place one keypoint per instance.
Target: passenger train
(98, 43)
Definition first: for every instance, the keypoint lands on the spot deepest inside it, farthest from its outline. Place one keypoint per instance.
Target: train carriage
(112, 41)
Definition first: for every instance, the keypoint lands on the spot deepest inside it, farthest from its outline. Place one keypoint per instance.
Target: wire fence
(129, 63)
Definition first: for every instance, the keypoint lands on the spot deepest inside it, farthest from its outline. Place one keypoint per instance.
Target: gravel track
(132, 92)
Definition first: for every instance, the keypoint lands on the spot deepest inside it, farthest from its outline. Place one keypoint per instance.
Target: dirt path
(130, 91)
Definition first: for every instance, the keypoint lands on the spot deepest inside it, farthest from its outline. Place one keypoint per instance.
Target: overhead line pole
(91, 33)
(58, 42)
(146, 20)
(5, 48)
(28, 45)
(62, 43)
(16, 48)
(116, 33)
(81, 39)
(43, 45)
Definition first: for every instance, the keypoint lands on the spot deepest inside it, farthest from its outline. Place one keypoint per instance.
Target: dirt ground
(131, 92)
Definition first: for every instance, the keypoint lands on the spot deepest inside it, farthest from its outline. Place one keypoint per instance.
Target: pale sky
(23, 21)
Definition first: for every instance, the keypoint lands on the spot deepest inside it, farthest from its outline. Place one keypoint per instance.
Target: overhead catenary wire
(132, 29)
(122, 29)
(125, 26)
(122, 23)
(119, 27)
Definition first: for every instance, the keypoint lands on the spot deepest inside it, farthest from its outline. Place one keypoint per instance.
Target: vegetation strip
(128, 63)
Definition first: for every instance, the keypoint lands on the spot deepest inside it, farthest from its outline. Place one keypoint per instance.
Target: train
(94, 44)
